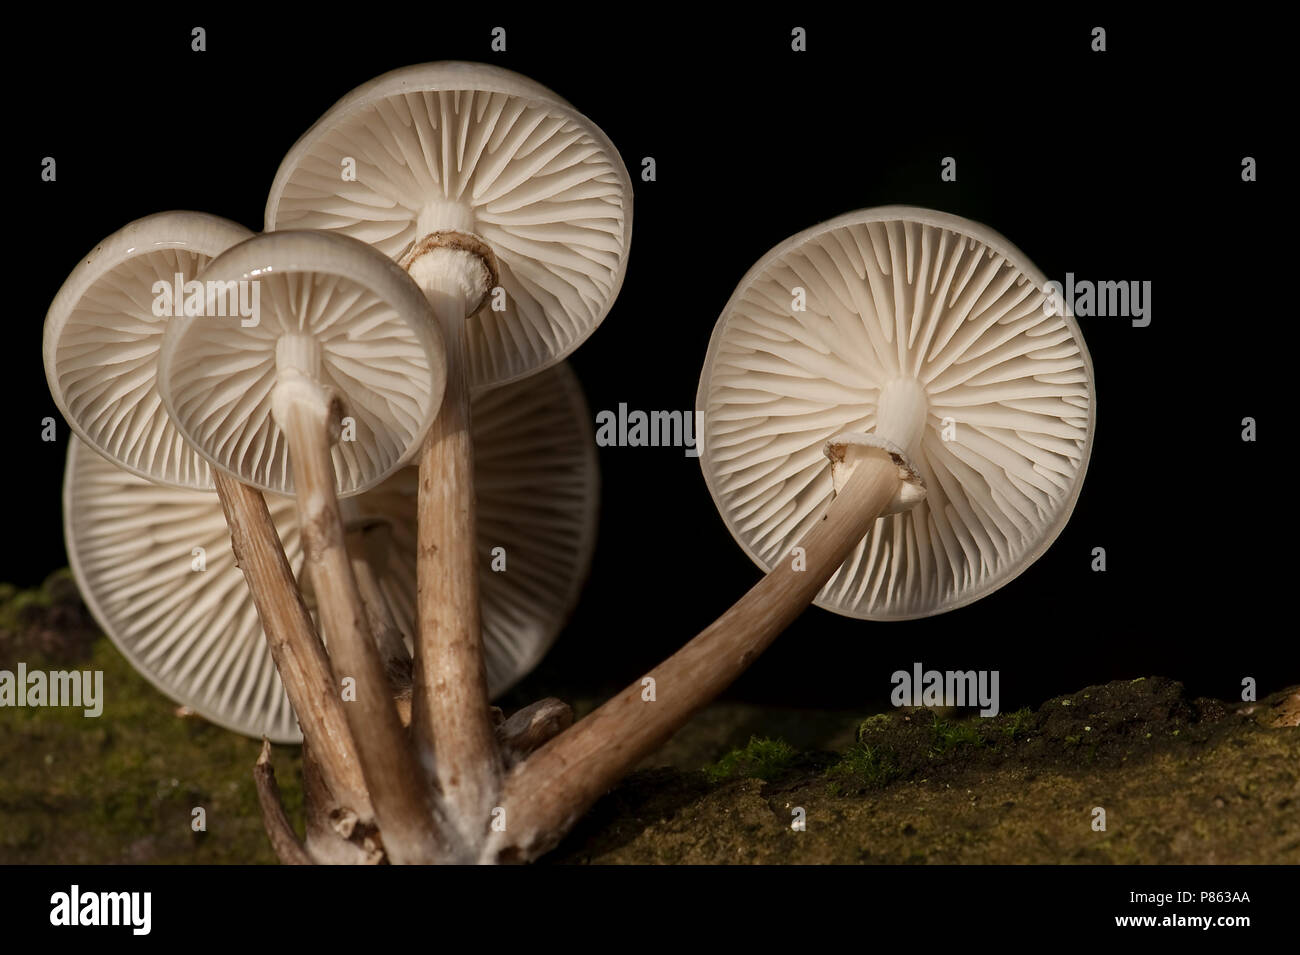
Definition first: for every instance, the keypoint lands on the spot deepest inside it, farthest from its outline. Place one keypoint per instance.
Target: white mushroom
(910, 316)
(341, 331)
(336, 323)
(487, 188)
(927, 330)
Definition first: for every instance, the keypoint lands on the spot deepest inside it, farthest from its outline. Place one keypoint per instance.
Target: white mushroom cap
(102, 338)
(194, 634)
(352, 314)
(486, 152)
(929, 332)
(538, 491)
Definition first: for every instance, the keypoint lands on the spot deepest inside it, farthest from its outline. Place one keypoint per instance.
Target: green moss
(863, 766)
(874, 724)
(1002, 802)
(760, 758)
(1016, 725)
(122, 787)
(946, 736)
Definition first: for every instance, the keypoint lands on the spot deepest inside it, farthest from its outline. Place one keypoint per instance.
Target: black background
(1123, 165)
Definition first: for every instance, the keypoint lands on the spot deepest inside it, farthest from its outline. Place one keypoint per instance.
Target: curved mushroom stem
(394, 656)
(551, 790)
(295, 647)
(310, 419)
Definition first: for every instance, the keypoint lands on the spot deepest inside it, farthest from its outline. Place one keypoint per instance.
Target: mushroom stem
(364, 547)
(551, 789)
(291, 636)
(450, 706)
(310, 419)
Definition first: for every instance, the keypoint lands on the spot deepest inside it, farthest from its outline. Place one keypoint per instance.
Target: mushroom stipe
(297, 650)
(451, 713)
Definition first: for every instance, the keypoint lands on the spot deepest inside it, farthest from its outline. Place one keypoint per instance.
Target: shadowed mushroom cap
(484, 151)
(369, 330)
(926, 330)
(103, 332)
(194, 634)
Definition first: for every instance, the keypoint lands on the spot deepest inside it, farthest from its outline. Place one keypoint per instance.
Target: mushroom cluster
(333, 483)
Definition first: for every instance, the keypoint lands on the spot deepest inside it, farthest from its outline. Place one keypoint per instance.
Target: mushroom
(339, 327)
(984, 394)
(860, 339)
(101, 342)
(486, 187)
